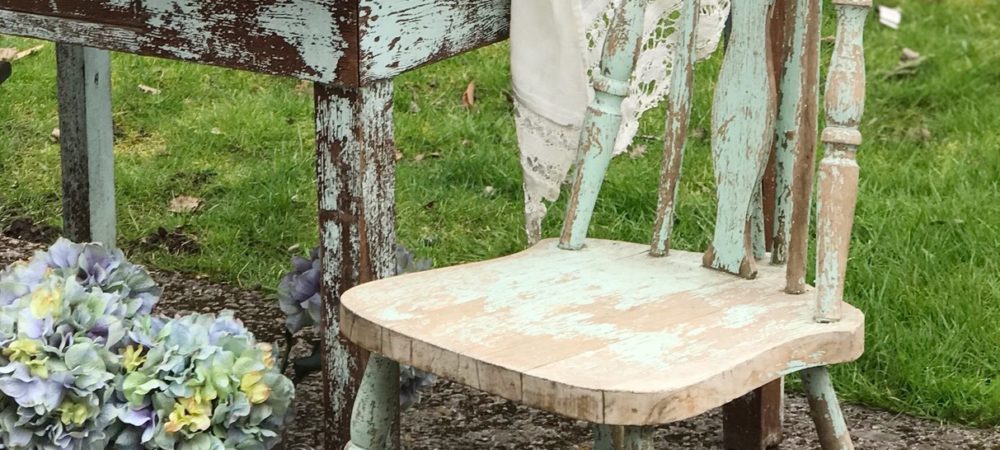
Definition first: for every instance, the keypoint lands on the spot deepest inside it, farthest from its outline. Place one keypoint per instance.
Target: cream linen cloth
(554, 44)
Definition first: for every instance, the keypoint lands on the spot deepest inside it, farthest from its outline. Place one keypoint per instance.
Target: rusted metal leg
(356, 178)
(616, 437)
(825, 410)
(86, 142)
(376, 410)
(753, 422)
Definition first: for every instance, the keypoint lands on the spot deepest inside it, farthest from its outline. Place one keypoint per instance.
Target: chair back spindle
(838, 172)
(602, 120)
(678, 116)
(795, 142)
(742, 120)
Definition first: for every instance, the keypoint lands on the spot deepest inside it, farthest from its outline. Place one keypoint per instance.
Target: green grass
(924, 262)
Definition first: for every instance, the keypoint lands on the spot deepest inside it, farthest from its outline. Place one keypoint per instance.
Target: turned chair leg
(616, 437)
(825, 410)
(376, 407)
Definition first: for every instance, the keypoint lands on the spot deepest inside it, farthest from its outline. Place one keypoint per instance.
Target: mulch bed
(451, 416)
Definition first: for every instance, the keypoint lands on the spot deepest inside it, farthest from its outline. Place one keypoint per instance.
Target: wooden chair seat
(606, 334)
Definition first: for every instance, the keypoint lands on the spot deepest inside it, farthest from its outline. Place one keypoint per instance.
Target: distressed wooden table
(351, 49)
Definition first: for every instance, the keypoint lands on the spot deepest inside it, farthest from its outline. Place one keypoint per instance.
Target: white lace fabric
(554, 45)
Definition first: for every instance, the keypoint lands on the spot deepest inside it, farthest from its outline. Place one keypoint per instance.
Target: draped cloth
(554, 44)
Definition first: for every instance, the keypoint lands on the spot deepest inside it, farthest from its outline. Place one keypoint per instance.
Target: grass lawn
(925, 261)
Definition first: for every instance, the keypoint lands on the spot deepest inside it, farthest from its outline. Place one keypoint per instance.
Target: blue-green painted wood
(795, 139)
(825, 409)
(86, 143)
(742, 119)
(617, 437)
(757, 229)
(678, 117)
(376, 408)
(602, 120)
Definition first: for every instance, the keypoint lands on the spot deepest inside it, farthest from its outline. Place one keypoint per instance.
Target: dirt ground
(451, 416)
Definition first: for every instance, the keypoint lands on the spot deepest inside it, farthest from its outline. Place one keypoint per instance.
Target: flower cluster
(299, 299)
(84, 365)
(201, 381)
(64, 315)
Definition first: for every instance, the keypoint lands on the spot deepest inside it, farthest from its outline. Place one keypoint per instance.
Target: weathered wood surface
(553, 329)
(398, 35)
(742, 117)
(329, 41)
(838, 171)
(375, 414)
(796, 139)
(678, 117)
(753, 421)
(824, 408)
(356, 181)
(86, 144)
(602, 121)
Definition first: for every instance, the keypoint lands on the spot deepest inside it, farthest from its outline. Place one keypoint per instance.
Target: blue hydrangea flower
(299, 299)
(201, 380)
(64, 317)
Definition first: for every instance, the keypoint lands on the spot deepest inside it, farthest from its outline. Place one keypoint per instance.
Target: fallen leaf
(399, 155)
(216, 131)
(294, 248)
(890, 17)
(7, 53)
(149, 89)
(434, 155)
(303, 86)
(54, 136)
(921, 134)
(908, 55)
(414, 107)
(469, 96)
(28, 52)
(184, 204)
(637, 152)
(905, 68)
(488, 191)
(419, 157)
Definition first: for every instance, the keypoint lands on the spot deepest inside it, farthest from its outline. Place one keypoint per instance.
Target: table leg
(356, 182)
(86, 142)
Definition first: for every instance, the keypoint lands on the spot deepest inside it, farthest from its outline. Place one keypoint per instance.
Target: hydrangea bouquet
(201, 382)
(83, 364)
(64, 316)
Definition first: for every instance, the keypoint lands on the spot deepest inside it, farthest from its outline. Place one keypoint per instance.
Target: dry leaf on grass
(469, 96)
(13, 54)
(184, 204)
(909, 54)
(638, 151)
(303, 86)
(149, 89)
(54, 136)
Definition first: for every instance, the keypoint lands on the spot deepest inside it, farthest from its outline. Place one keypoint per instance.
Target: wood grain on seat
(606, 334)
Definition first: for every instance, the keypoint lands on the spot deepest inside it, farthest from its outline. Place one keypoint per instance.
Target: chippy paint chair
(624, 335)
